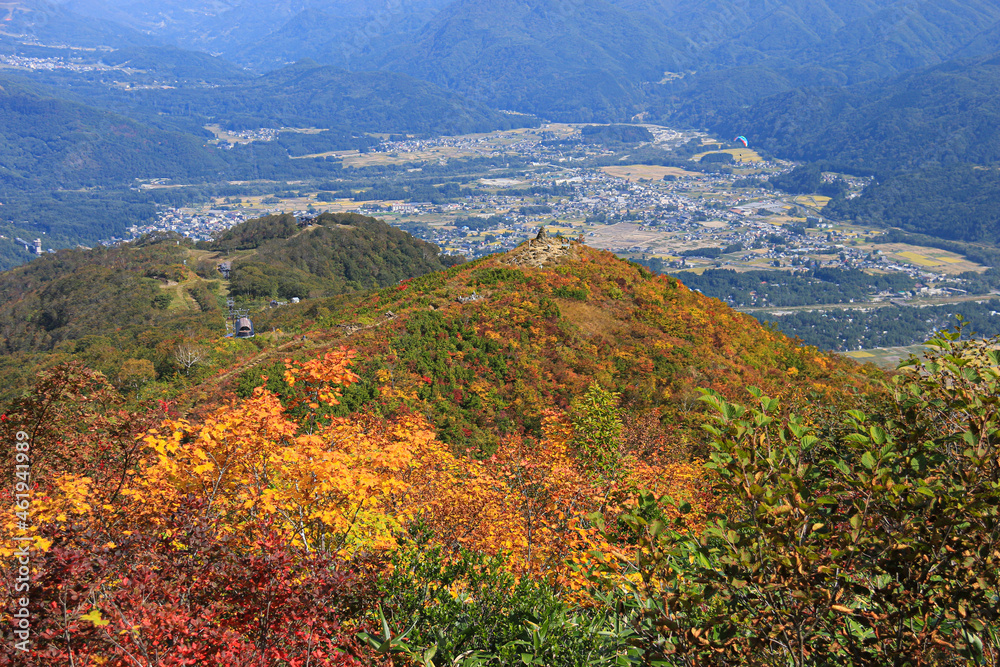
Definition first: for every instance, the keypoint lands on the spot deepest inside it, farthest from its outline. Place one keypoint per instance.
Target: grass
(636, 172)
(739, 154)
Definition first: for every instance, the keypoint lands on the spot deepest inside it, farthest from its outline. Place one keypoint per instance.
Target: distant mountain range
(583, 59)
(266, 34)
(699, 63)
(892, 86)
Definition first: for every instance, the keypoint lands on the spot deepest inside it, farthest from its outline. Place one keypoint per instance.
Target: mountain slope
(751, 51)
(311, 95)
(48, 141)
(565, 60)
(262, 32)
(485, 347)
(940, 115)
(48, 22)
(932, 136)
(73, 294)
(335, 34)
(537, 57)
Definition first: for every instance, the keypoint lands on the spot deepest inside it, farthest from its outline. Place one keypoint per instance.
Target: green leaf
(857, 415)
(867, 460)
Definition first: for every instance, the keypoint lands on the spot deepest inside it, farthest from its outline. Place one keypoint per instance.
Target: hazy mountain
(265, 34)
(863, 39)
(45, 22)
(585, 59)
(596, 58)
(565, 60)
(308, 94)
(742, 60)
(46, 141)
(329, 35)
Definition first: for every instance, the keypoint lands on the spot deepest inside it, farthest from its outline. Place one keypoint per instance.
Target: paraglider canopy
(742, 140)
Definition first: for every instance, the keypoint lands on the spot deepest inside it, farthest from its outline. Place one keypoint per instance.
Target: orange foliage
(322, 377)
(354, 485)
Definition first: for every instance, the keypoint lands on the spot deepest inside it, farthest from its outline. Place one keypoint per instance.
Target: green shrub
(576, 294)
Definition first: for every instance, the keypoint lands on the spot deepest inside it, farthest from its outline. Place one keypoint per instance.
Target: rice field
(918, 259)
(941, 261)
(815, 201)
(886, 357)
(432, 154)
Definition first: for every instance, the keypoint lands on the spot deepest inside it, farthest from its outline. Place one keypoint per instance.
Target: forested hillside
(331, 254)
(579, 61)
(958, 202)
(485, 346)
(311, 95)
(128, 309)
(48, 141)
(543, 456)
(938, 116)
(77, 293)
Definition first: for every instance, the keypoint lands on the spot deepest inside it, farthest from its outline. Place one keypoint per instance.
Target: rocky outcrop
(543, 250)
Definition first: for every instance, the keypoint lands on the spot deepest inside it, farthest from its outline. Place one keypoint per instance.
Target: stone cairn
(542, 250)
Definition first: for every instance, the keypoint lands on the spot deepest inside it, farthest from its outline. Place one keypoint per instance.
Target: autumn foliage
(248, 537)
(516, 480)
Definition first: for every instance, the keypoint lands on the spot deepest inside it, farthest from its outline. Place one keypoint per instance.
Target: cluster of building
(260, 134)
(51, 64)
(192, 224)
(640, 211)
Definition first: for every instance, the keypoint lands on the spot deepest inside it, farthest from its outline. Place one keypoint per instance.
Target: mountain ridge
(481, 347)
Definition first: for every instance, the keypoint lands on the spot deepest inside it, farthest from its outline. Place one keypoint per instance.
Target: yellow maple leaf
(95, 617)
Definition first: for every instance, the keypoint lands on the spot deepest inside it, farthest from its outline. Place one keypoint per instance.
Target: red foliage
(77, 422)
(187, 596)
